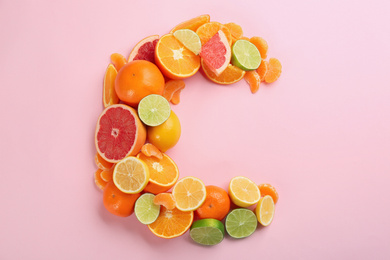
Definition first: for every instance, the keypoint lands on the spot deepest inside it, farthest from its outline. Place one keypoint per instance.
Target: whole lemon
(166, 135)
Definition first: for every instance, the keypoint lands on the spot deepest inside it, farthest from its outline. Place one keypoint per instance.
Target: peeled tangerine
(216, 53)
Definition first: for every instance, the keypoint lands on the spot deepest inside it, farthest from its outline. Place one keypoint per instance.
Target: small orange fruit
(117, 202)
(216, 205)
(136, 80)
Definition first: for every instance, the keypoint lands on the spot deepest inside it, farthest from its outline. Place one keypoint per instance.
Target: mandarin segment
(176, 97)
(172, 87)
(235, 30)
(165, 199)
(262, 69)
(101, 163)
(109, 95)
(274, 70)
(253, 79)
(100, 183)
(192, 24)
(106, 175)
(149, 149)
(208, 30)
(118, 60)
(261, 45)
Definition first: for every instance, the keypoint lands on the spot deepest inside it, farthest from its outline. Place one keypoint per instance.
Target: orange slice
(171, 223)
(118, 60)
(253, 79)
(150, 150)
(268, 189)
(274, 70)
(230, 75)
(189, 193)
(193, 23)
(163, 173)
(235, 30)
(261, 45)
(174, 60)
(165, 199)
(262, 69)
(101, 163)
(100, 183)
(109, 94)
(208, 30)
(173, 88)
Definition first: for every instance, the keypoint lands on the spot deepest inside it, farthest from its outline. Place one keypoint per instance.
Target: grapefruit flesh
(144, 50)
(216, 53)
(119, 133)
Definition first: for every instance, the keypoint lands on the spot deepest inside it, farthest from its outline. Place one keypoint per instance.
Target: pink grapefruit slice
(119, 133)
(216, 53)
(144, 50)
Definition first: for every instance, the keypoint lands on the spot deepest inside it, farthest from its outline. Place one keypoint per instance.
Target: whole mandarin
(117, 202)
(216, 205)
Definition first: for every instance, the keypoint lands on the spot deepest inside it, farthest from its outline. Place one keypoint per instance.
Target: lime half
(154, 110)
(207, 231)
(241, 223)
(245, 55)
(189, 39)
(145, 210)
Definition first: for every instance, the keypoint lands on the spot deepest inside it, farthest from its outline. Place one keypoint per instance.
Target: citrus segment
(274, 70)
(230, 75)
(245, 55)
(153, 110)
(268, 189)
(189, 39)
(241, 223)
(216, 204)
(253, 79)
(119, 133)
(106, 175)
(118, 60)
(261, 45)
(265, 210)
(117, 202)
(216, 53)
(171, 87)
(131, 175)
(243, 192)
(144, 50)
(109, 95)
(207, 232)
(163, 173)
(101, 163)
(176, 97)
(174, 59)
(262, 69)
(166, 135)
(171, 223)
(189, 193)
(193, 23)
(244, 38)
(165, 199)
(151, 150)
(208, 30)
(235, 30)
(100, 183)
(145, 210)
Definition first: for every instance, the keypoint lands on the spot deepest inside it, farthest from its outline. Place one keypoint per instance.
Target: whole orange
(136, 80)
(117, 202)
(216, 205)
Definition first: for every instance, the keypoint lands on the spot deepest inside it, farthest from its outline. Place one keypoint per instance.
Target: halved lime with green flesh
(207, 231)
(189, 39)
(153, 110)
(145, 210)
(241, 223)
(245, 55)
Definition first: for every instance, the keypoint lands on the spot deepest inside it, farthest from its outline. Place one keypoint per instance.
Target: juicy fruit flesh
(145, 210)
(245, 55)
(117, 133)
(189, 193)
(131, 175)
(241, 223)
(146, 51)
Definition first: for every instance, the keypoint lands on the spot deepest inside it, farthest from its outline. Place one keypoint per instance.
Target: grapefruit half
(144, 50)
(216, 53)
(119, 133)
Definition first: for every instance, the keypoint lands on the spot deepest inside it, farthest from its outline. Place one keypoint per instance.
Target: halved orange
(230, 75)
(109, 94)
(193, 23)
(189, 193)
(163, 173)
(208, 30)
(171, 223)
(174, 60)
(253, 79)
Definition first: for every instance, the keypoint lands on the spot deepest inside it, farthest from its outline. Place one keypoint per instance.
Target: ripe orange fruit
(136, 80)
(216, 205)
(163, 173)
(193, 23)
(117, 202)
(274, 70)
(208, 30)
(109, 95)
(230, 75)
(268, 189)
(174, 60)
(253, 79)
(171, 223)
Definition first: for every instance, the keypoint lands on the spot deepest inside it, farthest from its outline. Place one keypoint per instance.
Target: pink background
(320, 134)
